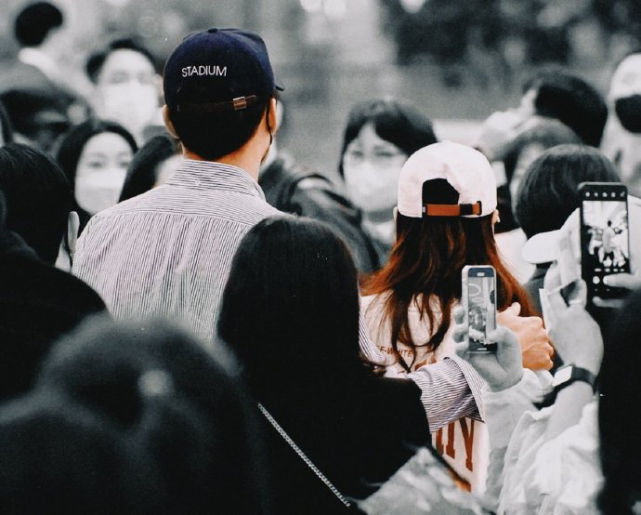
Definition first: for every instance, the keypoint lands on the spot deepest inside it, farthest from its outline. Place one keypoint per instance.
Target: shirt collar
(212, 175)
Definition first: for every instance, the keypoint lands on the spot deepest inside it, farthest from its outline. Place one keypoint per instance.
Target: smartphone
(479, 301)
(605, 242)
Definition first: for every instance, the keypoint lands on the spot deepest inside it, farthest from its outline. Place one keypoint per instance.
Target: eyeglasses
(379, 158)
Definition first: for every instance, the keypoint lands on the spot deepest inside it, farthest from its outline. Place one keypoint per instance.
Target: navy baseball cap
(218, 70)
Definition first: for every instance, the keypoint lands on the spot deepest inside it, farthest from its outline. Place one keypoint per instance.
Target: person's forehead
(368, 137)
(106, 143)
(125, 61)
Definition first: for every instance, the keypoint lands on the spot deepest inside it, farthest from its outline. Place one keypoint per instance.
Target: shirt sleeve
(505, 412)
(450, 390)
(368, 349)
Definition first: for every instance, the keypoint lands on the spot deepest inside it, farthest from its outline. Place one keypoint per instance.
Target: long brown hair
(426, 263)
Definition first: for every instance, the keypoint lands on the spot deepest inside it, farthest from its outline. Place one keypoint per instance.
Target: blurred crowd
(192, 320)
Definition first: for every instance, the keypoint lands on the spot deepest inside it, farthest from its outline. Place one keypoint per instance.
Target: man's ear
(168, 123)
(273, 121)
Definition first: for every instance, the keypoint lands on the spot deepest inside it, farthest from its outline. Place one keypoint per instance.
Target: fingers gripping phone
(605, 243)
(479, 301)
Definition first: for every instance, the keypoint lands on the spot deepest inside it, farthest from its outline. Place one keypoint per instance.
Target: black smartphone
(479, 301)
(605, 242)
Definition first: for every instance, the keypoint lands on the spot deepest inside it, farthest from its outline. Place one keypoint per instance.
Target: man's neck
(241, 159)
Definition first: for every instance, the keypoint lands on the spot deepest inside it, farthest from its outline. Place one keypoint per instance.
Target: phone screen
(605, 247)
(480, 292)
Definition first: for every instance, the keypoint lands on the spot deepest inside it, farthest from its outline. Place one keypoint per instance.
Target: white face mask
(372, 188)
(99, 190)
(131, 104)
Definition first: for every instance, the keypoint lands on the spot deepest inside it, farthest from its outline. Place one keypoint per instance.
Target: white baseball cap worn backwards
(447, 179)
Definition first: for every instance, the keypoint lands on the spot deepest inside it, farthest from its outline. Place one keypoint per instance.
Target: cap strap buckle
(453, 209)
(235, 104)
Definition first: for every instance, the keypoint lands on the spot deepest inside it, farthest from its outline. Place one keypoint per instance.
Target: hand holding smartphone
(605, 247)
(479, 302)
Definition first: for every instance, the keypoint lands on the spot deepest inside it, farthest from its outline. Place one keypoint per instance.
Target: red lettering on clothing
(439, 441)
(450, 451)
(468, 438)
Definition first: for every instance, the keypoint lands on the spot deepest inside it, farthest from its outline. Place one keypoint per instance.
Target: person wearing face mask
(379, 137)
(622, 135)
(293, 187)
(95, 156)
(126, 86)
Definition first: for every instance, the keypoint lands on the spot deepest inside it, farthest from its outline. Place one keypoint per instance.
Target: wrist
(569, 374)
(507, 384)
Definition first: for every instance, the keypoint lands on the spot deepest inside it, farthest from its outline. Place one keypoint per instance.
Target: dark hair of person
(425, 265)
(38, 198)
(571, 100)
(97, 60)
(549, 192)
(142, 174)
(401, 124)
(6, 129)
(548, 133)
(291, 306)
(73, 143)
(620, 389)
(34, 23)
(26, 107)
(141, 417)
(212, 136)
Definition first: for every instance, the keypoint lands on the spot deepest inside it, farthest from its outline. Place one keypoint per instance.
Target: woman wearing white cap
(446, 212)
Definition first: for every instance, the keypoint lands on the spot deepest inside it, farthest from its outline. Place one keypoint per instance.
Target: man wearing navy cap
(168, 252)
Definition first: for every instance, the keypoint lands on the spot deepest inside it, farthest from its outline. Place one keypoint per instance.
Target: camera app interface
(605, 238)
(481, 309)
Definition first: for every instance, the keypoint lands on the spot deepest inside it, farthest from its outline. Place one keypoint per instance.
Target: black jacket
(38, 304)
(293, 188)
(358, 438)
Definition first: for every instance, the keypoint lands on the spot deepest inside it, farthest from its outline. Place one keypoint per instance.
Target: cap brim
(541, 248)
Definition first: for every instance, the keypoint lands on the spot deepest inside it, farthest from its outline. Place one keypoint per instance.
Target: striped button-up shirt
(167, 253)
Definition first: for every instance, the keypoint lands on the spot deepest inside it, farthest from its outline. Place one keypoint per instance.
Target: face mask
(99, 190)
(372, 188)
(132, 105)
(628, 111)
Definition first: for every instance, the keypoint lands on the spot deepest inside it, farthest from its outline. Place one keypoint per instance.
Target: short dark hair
(143, 170)
(96, 61)
(38, 198)
(25, 108)
(212, 136)
(548, 132)
(34, 23)
(132, 415)
(570, 99)
(296, 281)
(73, 143)
(549, 191)
(399, 123)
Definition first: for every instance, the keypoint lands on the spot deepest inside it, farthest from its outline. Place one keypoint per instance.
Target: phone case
(479, 301)
(605, 243)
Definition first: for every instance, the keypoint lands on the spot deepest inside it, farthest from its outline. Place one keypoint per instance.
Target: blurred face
(371, 166)
(101, 171)
(127, 91)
